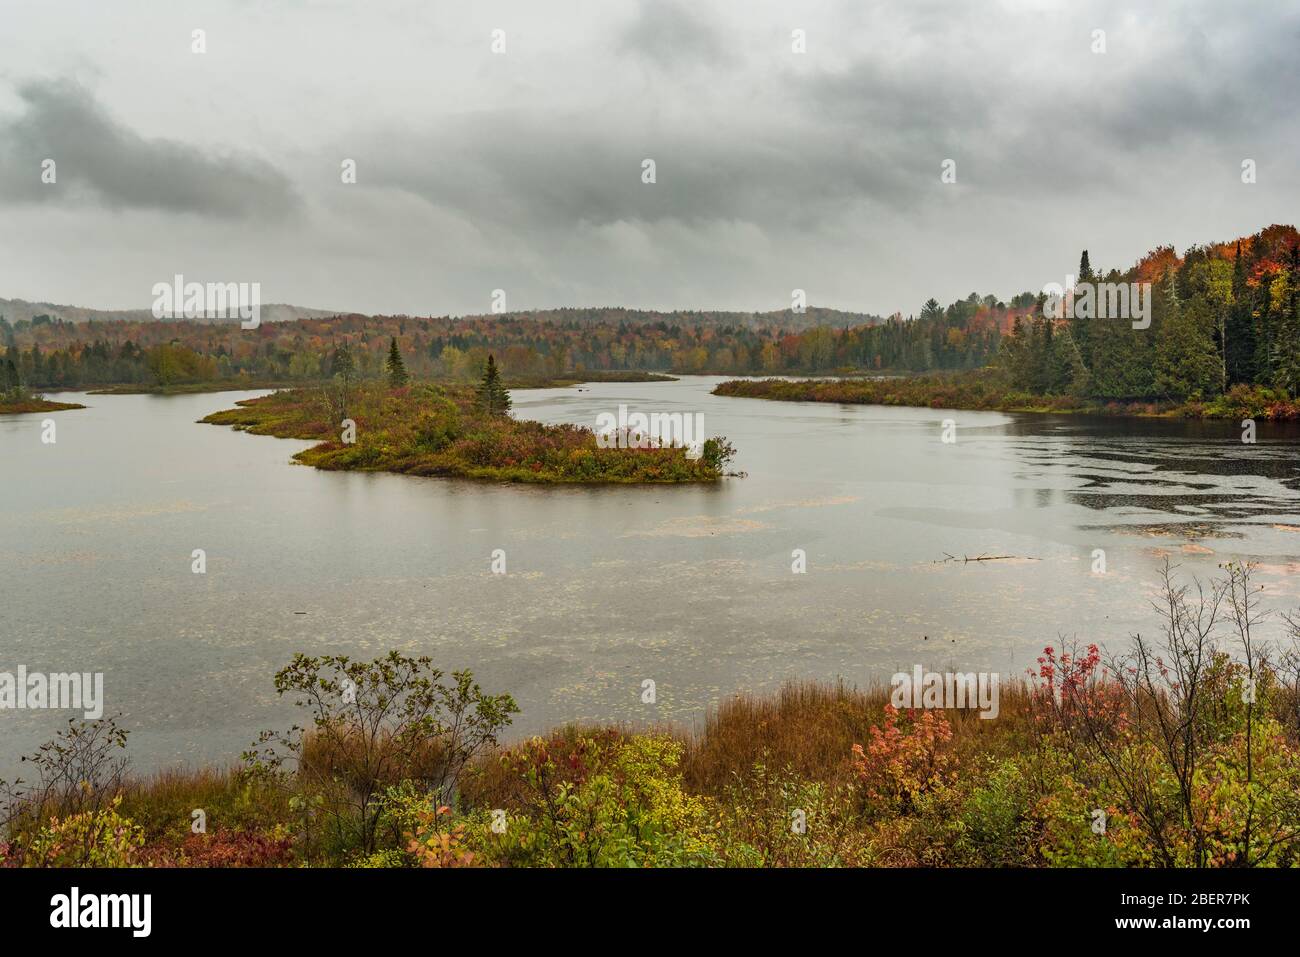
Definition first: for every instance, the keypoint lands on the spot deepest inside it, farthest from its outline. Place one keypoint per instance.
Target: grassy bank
(247, 384)
(15, 404)
(1176, 752)
(986, 390)
(195, 388)
(580, 377)
(436, 430)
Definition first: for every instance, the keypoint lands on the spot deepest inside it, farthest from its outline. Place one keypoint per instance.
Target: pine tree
(492, 395)
(397, 376)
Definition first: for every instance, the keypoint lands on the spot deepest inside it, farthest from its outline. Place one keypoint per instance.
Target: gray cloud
(516, 170)
(671, 34)
(102, 161)
(523, 170)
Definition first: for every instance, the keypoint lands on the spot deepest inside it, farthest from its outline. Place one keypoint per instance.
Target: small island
(17, 400)
(456, 431)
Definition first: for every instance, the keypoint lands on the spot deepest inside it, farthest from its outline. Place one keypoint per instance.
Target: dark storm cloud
(102, 161)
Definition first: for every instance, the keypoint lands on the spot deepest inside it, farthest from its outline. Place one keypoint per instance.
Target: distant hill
(788, 319)
(18, 310)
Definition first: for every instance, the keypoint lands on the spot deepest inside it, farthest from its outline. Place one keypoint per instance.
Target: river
(690, 587)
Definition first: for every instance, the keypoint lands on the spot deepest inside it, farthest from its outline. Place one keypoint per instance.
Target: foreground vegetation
(446, 431)
(989, 389)
(1184, 751)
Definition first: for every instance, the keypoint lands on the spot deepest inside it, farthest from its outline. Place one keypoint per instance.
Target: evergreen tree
(492, 395)
(1079, 329)
(396, 369)
(1187, 365)
(1041, 350)
(1286, 348)
(1242, 344)
(1016, 356)
(1067, 375)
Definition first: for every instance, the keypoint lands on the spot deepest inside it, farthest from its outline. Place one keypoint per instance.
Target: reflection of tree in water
(1162, 465)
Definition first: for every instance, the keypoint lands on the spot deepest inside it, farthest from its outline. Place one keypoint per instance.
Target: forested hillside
(1222, 314)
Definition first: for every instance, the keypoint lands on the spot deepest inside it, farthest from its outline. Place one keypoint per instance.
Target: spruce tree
(1240, 332)
(397, 376)
(1186, 365)
(1079, 328)
(1286, 347)
(492, 395)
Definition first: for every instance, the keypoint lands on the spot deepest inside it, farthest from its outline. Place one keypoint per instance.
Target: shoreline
(974, 392)
(199, 388)
(35, 405)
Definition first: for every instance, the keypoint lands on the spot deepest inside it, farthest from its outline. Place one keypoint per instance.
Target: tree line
(1222, 315)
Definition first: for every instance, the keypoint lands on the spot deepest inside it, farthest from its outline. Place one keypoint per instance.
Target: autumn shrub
(775, 818)
(1076, 826)
(907, 757)
(95, 838)
(435, 842)
(600, 800)
(373, 724)
(81, 770)
(995, 828)
(225, 848)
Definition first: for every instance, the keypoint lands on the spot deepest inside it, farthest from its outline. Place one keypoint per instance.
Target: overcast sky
(522, 170)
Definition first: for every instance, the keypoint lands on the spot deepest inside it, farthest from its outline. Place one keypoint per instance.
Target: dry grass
(811, 727)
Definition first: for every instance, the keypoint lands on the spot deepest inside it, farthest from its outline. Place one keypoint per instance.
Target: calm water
(606, 587)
